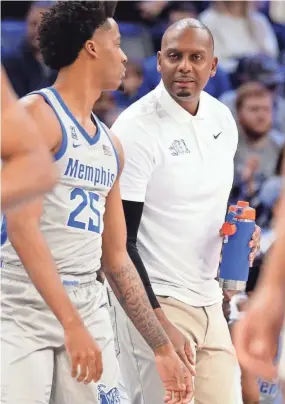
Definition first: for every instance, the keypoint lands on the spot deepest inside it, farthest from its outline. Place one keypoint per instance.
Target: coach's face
(186, 62)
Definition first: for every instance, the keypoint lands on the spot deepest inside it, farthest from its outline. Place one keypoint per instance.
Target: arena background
(250, 44)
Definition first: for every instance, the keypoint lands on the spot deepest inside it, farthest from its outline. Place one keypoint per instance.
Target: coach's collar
(174, 109)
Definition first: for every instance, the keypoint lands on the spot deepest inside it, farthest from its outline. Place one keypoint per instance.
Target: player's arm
(274, 270)
(23, 229)
(128, 288)
(140, 152)
(122, 274)
(28, 169)
(249, 385)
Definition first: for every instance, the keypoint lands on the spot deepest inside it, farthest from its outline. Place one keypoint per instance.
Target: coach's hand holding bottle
(241, 244)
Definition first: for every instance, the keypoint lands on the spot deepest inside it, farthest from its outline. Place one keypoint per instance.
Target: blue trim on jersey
(64, 142)
(112, 143)
(91, 140)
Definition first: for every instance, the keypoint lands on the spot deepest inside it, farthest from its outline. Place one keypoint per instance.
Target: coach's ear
(158, 63)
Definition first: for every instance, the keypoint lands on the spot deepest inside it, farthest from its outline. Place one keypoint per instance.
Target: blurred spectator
(105, 109)
(265, 70)
(181, 10)
(133, 88)
(175, 11)
(152, 12)
(238, 31)
(265, 200)
(14, 10)
(277, 11)
(24, 65)
(257, 153)
(140, 11)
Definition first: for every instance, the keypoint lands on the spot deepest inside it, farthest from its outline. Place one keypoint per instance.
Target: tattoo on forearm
(129, 290)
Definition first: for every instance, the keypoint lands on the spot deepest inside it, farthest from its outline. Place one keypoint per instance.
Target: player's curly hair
(67, 25)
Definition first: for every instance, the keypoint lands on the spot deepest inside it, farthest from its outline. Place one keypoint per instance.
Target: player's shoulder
(42, 113)
(36, 105)
(216, 110)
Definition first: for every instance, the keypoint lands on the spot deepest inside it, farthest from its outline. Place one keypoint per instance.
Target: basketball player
(256, 335)
(55, 318)
(27, 164)
(179, 144)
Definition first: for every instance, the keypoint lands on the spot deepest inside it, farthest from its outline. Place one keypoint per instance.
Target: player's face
(186, 63)
(110, 56)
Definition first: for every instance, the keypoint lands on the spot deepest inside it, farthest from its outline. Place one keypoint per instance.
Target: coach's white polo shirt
(181, 167)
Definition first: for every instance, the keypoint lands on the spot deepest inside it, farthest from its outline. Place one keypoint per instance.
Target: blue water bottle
(237, 229)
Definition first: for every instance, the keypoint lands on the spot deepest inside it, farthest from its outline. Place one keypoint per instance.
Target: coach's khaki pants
(208, 333)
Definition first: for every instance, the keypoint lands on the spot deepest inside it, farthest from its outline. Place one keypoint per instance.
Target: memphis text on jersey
(95, 175)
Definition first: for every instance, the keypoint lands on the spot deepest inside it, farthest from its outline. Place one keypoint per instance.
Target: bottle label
(268, 391)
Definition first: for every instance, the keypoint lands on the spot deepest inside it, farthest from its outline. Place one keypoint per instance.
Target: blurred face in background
(104, 105)
(234, 8)
(133, 78)
(33, 21)
(183, 11)
(105, 108)
(255, 115)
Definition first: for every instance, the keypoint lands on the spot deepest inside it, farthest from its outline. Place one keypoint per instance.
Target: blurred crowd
(250, 44)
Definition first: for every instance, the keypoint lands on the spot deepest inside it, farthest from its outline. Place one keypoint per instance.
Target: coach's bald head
(180, 26)
(186, 61)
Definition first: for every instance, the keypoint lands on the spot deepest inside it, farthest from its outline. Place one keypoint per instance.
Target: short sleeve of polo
(139, 149)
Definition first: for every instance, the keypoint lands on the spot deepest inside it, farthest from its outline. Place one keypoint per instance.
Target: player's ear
(158, 63)
(91, 48)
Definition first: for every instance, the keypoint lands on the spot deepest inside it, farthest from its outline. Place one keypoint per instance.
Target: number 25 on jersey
(87, 200)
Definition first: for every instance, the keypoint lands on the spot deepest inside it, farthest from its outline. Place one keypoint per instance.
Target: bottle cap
(228, 229)
(243, 204)
(248, 212)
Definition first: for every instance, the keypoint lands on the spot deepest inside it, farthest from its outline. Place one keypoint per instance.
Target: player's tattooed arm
(128, 288)
(122, 274)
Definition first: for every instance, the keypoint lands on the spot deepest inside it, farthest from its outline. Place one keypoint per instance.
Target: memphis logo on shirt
(96, 175)
(108, 397)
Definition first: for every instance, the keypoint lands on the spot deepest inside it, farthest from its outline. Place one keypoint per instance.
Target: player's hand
(254, 244)
(181, 345)
(256, 335)
(174, 397)
(85, 354)
(176, 378)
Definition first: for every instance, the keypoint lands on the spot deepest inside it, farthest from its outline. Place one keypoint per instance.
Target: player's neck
(78, 89)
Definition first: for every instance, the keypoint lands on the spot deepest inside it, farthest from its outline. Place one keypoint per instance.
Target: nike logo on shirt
(216, 136)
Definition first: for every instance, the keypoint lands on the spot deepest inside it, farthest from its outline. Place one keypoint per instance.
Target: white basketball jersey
(72, 220)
